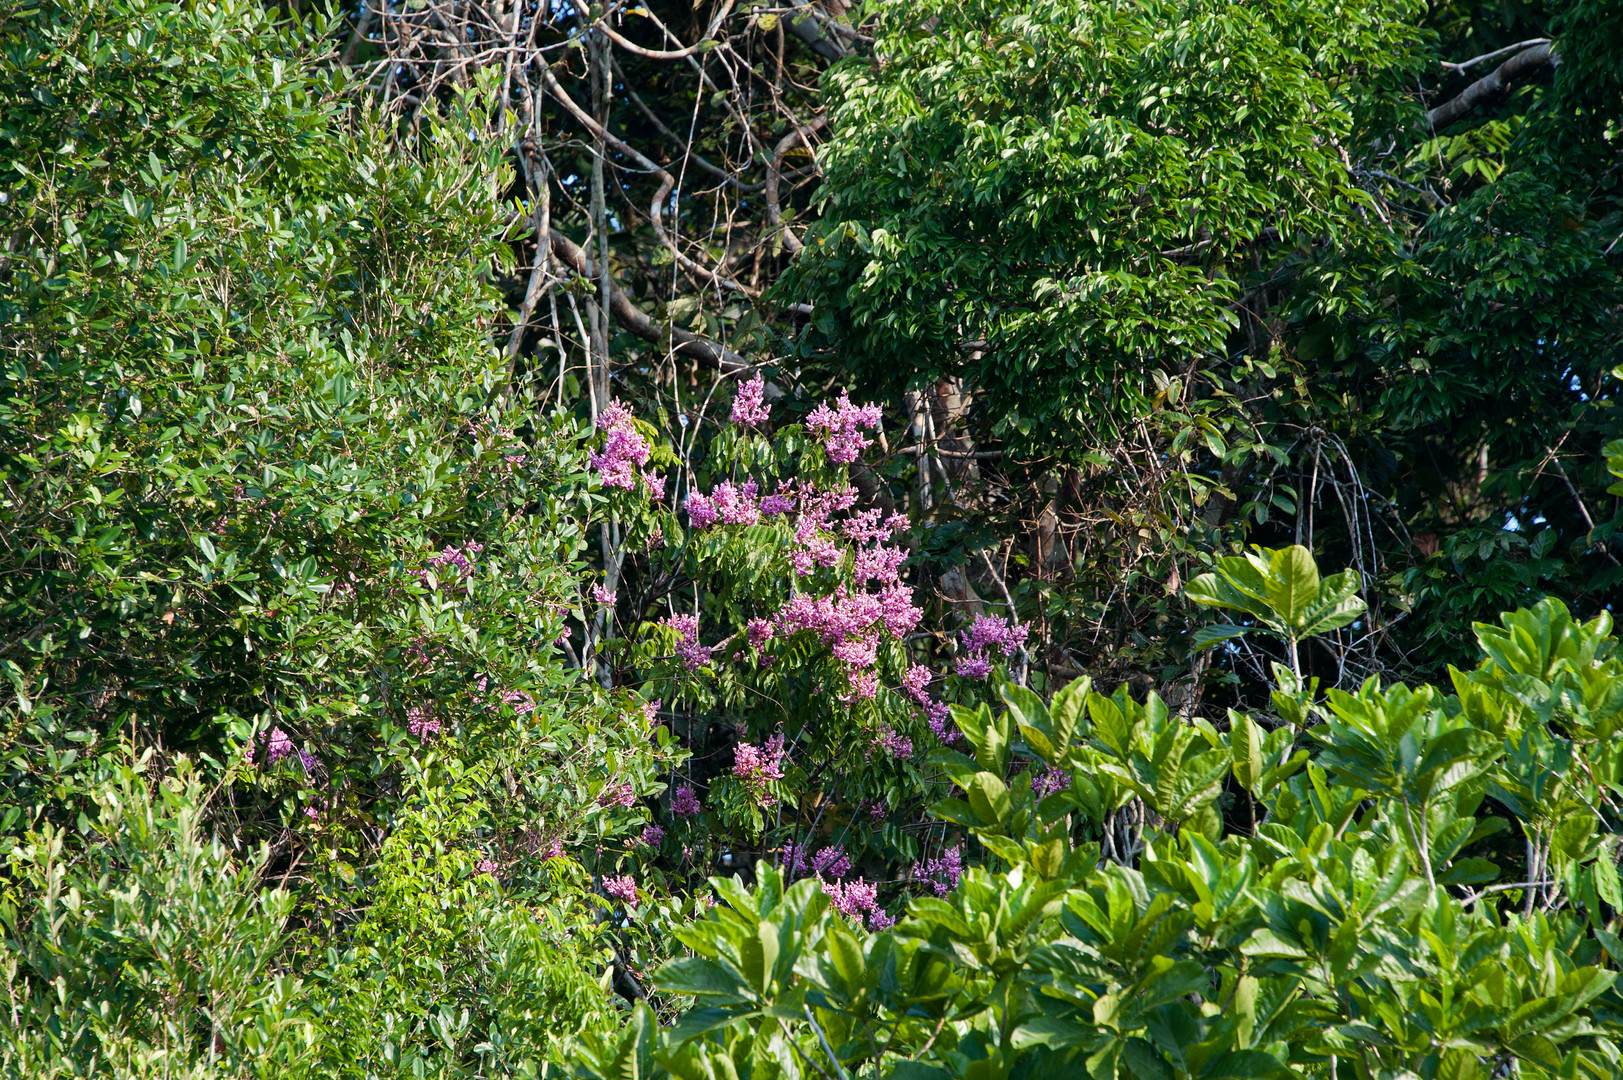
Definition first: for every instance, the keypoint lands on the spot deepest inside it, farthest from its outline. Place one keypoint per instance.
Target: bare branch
(1491, 85)
(774, 174)
(666, 183)
(668, 54)
(1475, 60)
(642, 324)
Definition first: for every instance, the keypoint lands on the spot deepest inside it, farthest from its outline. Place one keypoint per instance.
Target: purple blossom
(793, 860)
(858, 652)
(684, 803)
(879, 919)
(523, 704)
(701, 511)
(693, 655)
(896, 744)
(421, 722)
(831, 863)
(985, 633)
(311, 812)
(650, 712)
(841, 427)
(750, 407)
(554, 850)
(487, 866)
(864, 686)
(760, 632)
(458, 559)
(939, 716)
(653, 835)
(816, 548)
(759, 766)
(614, 796)
(854, 899)
(624, 448)
(280, 746)
(847, 616)
(916, 682)
(622, 888)
(1050, 780)
(735, 505)
(870, 525)
(774, 505)
(880, 563)
(974, 666)
(656, 485)
(602, 595)
(941, 873)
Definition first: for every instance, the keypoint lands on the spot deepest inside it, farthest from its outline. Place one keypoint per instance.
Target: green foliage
(1076, 187)
(317, 761)
(137, 946)
(1282, 591)
(271, 500)
(1343, 927)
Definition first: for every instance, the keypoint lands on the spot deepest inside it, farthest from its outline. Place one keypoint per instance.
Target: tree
(1342, 926)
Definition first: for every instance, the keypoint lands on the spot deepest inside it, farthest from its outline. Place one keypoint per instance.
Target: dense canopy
(927, 540)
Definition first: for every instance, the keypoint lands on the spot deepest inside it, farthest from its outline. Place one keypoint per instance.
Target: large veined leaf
(1281, 589)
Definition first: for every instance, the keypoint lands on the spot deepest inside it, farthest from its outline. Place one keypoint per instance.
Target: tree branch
(642, 324)
(667, 54)
(666, 183)
(774, 173)
(1491, 84)
(808, 27)
(1475, 60)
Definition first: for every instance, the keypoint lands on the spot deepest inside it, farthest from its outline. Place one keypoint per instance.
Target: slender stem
(1420, 846)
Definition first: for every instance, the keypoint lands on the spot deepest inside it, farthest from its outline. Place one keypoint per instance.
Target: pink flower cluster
(617, 796)
(916, 684)
(896, 744)
(842, 428)
(854, 899)
(941, 873)
(603, 596)
(759, 631)
(759, 766)
(984, 634)
(831, 863)
(421, 722)
(726, 503)
(279, 747)
(622, 888)
(624, 448)
(684, 803)
(461, 559)
(750, 407)
(488, 866)
(653, 835)
(776, 505)
(693, 655)
(523, 704)
(851, 623)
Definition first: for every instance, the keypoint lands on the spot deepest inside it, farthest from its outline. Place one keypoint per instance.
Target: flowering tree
(763, 611)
